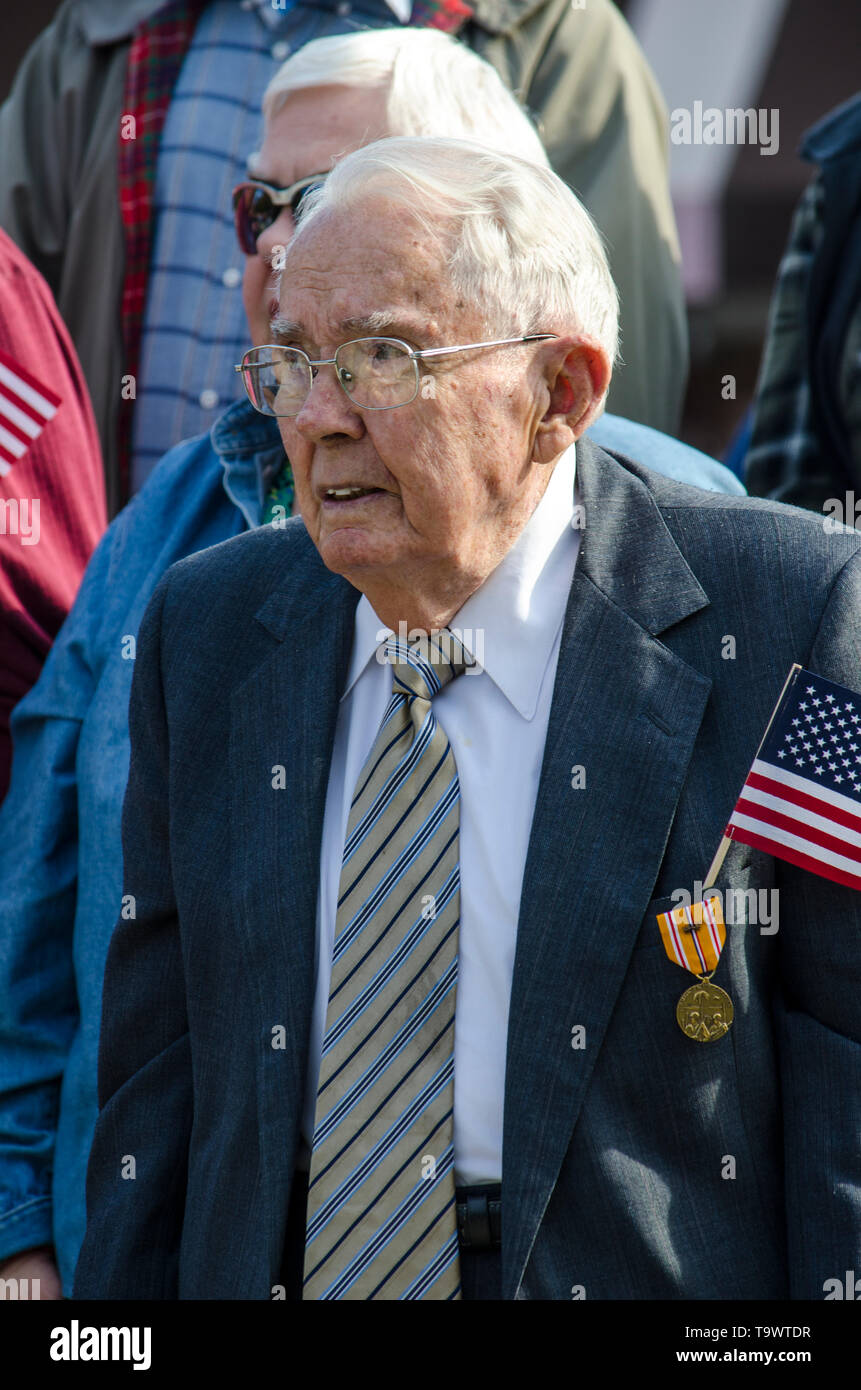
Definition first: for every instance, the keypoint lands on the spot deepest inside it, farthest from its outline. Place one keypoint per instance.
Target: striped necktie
(381, 1204)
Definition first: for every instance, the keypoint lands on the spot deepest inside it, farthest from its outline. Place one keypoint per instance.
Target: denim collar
(250, 451)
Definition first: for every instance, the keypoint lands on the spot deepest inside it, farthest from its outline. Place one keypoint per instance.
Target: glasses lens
(377, 373)
(254, 212)
(277, 380)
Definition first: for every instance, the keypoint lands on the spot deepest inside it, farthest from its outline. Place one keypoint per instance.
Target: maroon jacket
(52, 490)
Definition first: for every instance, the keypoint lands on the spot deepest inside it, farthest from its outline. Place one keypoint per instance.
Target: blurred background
(733, 204)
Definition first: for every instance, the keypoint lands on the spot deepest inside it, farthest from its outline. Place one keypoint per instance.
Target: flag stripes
(26, 406)
(801, 800)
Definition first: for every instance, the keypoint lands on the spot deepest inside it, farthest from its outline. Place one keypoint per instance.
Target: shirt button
(280, 51)
(208, 398)
(231, 277)
(343, 8)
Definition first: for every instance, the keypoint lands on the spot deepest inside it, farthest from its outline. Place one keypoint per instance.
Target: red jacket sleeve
(52, 490)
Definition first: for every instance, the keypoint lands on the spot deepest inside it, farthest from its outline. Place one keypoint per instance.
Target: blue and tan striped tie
(381, 1215)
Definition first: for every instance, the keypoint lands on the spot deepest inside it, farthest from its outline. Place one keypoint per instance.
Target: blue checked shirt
(194, 326)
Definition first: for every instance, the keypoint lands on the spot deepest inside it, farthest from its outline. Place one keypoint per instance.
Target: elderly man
(60, 851)
(386, 949)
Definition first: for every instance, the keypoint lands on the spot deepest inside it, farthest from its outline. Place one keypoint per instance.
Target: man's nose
(328, 410)
(273, 242)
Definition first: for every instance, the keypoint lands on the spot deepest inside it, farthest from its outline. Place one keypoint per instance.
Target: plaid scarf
(157, 50)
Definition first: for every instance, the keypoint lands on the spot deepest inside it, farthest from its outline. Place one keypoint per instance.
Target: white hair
(436, 86)
(515, 238)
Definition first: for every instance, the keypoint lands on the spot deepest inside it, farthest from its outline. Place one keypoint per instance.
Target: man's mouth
(349, 494)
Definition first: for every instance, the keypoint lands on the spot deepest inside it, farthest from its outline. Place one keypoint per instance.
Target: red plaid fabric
(157, 50)
(448, 15)
(156, 54)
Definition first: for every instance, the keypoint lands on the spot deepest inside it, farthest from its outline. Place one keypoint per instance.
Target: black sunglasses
(256, 205)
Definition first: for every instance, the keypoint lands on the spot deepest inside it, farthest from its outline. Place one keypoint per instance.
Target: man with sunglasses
(394, 1020)
(60, 853)
(129, 123)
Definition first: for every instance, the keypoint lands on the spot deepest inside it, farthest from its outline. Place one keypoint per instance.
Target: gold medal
(694, 938)
(704, 1011)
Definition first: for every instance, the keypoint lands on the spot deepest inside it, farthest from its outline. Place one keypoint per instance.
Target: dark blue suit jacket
(614, 1154)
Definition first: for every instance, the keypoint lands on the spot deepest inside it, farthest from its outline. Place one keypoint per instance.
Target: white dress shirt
(495, 717)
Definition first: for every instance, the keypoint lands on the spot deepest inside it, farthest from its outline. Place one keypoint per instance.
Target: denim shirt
(60, 841)
(60, 845)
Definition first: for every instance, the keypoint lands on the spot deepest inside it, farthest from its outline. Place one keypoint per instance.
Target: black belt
(479, 1216)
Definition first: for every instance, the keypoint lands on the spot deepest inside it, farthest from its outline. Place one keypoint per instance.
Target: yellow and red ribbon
(694, 936)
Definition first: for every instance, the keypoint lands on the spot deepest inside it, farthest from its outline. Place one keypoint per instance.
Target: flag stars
(830, 699)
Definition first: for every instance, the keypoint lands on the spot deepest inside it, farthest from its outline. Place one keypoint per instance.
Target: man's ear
(576, 375)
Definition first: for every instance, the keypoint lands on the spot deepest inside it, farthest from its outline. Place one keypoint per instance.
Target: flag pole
(717, 862)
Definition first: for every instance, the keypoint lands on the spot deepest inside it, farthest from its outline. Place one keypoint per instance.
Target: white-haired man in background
(188, 78)
(393, 1019)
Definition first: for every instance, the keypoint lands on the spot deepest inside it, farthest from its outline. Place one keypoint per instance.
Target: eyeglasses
(375, 373)
(256, 205)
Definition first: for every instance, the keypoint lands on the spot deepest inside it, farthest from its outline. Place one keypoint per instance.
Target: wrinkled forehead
(368, 257)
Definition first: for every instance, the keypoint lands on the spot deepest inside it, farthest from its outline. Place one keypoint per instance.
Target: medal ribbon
(694, 936)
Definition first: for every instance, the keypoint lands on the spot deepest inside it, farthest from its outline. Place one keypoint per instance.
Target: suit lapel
(283, 719)
(626, 710)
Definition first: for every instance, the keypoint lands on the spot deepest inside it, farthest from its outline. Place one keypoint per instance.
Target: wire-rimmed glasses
(375, 373)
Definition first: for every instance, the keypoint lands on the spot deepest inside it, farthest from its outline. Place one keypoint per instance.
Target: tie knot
(424, 666)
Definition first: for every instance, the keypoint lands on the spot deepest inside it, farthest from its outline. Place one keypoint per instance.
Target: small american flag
(802, 797)
(26, 406)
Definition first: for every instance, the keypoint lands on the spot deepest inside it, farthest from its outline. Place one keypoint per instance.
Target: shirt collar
(401, 9)
(249, 448)
(106, 22)
(511, 622)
